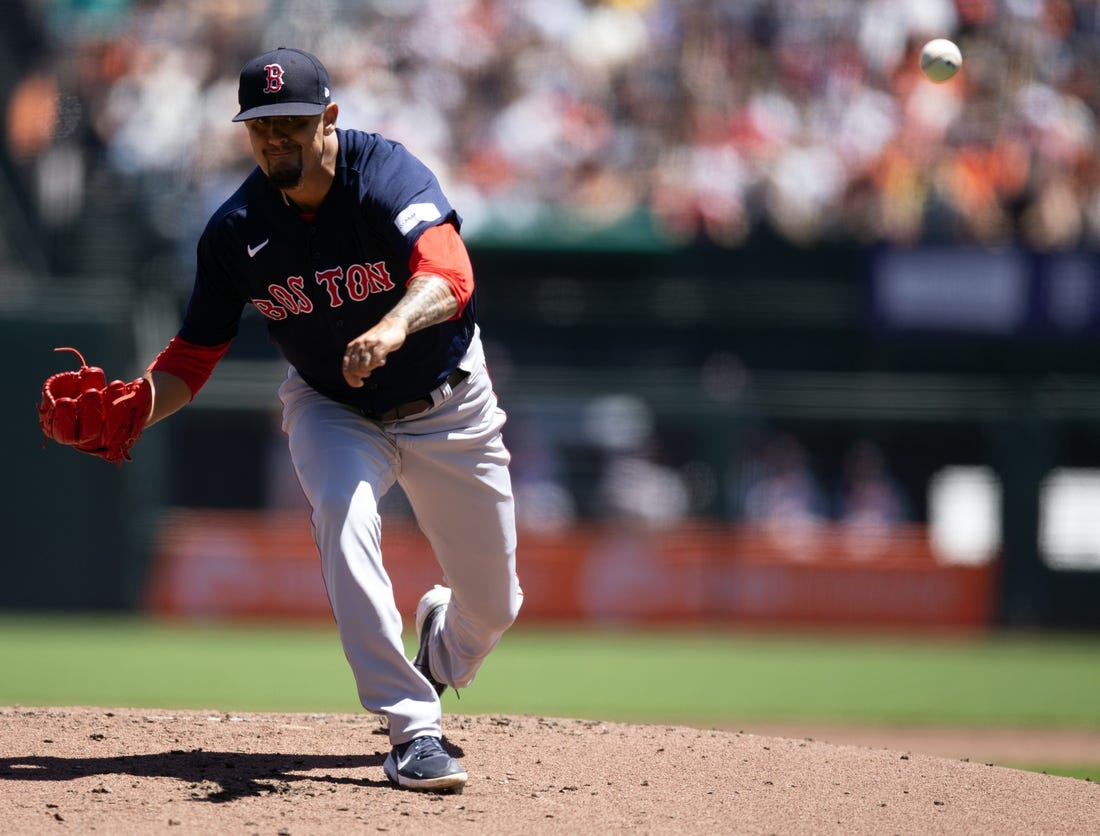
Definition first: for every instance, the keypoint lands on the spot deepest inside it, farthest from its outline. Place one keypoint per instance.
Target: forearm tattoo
(428, 300)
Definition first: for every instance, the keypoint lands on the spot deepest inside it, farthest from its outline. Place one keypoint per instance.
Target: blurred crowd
(690, 120)
(684, 121)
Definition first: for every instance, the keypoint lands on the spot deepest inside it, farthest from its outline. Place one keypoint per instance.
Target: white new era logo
(253, 250)
(414, 214)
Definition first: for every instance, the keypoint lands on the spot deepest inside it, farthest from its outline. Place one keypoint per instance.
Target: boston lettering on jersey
(353, 285)
(320, 283)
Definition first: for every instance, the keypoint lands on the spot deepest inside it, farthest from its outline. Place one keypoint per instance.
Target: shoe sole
(435, 597)
(445, 783)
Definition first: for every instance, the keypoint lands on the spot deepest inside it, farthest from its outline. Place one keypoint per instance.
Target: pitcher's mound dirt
(134, 771)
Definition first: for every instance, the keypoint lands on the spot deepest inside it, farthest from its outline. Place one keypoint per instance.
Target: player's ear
(332, 110)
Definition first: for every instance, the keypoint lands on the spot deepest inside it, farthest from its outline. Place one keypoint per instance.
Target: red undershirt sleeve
(192, 363)
(440, 251)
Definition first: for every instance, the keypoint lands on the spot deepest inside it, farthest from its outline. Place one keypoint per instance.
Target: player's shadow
(214, 776)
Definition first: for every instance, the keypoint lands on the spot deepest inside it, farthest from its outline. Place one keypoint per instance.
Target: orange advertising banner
(237, 564)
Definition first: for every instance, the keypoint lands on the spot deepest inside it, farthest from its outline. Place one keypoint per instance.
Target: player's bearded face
(280, 144)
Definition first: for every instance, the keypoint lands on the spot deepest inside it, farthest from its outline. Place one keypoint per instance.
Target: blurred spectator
(868, 496)
(713, 120)
(633, 484)
(776, 490)
(635, 487)
(543, 500)
(870, 503)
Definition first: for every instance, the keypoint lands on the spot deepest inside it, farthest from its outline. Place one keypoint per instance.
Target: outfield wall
(233, 564)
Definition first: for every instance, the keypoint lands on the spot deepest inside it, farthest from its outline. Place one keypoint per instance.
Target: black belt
(415, 407)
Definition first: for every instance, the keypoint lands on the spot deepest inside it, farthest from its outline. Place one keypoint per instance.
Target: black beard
(286, 178)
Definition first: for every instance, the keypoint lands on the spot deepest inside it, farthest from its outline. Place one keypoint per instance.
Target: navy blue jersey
(322, 283)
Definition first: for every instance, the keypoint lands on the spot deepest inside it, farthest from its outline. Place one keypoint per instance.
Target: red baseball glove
(82, 410)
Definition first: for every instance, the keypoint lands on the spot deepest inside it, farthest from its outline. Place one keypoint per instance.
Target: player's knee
(501, 613)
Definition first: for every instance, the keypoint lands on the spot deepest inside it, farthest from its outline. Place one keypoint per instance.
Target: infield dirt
(136, 771)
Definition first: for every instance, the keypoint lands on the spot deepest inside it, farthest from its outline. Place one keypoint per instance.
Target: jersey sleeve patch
(416, 213)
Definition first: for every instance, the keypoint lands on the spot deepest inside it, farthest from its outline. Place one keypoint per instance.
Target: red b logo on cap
(274, 75)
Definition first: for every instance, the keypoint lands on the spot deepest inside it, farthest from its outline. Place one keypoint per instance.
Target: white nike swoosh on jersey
(253, 250)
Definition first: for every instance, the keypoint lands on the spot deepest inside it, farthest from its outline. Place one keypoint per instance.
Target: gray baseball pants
(453, 466)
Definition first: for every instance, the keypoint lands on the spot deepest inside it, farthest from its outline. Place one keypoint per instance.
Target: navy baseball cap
(284, 82)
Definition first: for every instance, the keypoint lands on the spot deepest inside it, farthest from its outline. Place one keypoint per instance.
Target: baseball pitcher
(345, 242)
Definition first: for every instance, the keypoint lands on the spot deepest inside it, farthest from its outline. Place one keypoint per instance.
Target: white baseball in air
(940, 59)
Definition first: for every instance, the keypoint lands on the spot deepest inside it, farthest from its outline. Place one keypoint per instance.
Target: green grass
(1083, 773)
(124, 661)
(712, 679)
(722, 678)
(682, 677)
